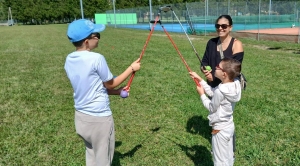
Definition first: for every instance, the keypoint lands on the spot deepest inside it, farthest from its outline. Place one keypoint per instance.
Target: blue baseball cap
(82, 28)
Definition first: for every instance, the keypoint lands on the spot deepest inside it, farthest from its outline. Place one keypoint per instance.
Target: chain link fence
(199, 17)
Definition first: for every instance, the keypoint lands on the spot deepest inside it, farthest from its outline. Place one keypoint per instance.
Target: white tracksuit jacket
(221, 106)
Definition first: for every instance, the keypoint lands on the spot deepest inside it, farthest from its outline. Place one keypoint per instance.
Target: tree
(3, 16)
(43, 11)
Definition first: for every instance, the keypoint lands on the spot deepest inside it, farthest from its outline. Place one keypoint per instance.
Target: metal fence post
(258, 19)
(228, 7)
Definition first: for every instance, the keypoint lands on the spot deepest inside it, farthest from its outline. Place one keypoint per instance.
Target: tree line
(60, 11)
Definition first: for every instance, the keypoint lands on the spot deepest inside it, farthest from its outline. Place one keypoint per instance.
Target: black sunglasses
(223, 26)
(97, 35)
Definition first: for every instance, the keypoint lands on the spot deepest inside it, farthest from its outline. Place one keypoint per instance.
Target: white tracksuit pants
(222, 147)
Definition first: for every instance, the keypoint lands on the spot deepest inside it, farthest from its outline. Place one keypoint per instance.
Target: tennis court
(199, 18)
(175, 27)
(274, 32)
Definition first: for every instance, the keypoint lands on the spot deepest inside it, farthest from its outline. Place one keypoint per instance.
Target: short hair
(227, 17)
(80, 42)
(232, 67)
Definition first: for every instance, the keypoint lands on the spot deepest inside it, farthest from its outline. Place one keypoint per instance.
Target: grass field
(163, 121)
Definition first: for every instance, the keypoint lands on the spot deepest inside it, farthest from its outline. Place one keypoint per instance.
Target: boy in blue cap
(92, 82)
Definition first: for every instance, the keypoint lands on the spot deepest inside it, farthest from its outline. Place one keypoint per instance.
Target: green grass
(163, 121)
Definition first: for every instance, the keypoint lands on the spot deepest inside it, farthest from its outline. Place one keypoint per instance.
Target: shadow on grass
(294, 51)
(297, 52)
(274, 48)
(118, 155)
(198, 154)
(199, 125)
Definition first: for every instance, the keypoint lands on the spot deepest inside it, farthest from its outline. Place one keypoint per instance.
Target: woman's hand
(208, 75)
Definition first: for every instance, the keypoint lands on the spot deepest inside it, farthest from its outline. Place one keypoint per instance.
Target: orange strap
(215, 131)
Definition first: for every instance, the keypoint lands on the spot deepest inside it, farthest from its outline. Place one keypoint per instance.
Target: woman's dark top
(212, 57)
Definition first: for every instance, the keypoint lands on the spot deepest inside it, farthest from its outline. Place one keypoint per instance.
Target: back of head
(81, 29)
(232, 67)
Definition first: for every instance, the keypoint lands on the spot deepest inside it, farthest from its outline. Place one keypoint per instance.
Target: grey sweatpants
(98, 134)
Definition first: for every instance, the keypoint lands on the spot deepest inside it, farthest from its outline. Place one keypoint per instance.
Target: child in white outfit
(221, 106)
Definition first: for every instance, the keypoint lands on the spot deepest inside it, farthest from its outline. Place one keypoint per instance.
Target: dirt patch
(281, 31)
(277, 34)
(260, 47)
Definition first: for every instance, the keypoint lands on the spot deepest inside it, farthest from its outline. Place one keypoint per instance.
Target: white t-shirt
(87, 71)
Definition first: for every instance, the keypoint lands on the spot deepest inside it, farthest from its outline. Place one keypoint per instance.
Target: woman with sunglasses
(231, 48)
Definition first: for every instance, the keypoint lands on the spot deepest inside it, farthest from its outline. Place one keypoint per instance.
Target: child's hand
(119, 90)
(116, 91)
(136, 65)
(195, 75)
(200, 90)
(126, 88)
